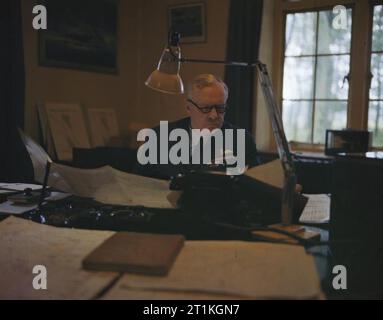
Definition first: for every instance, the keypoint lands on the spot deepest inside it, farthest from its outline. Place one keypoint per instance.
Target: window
(322, 74)
(316, 64)
(375, 110)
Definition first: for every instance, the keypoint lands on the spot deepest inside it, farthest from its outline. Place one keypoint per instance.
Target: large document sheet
(105, 184)
(25, 244)
(228, 269)
(111, 186)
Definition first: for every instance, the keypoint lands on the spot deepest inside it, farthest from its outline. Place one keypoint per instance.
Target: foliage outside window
(316, 62)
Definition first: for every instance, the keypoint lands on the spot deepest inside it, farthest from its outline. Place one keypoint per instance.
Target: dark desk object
(357, 217)
(123, 159)
(85, 213)
(347, 141)
(264, 157)
(239, 200)
(313, 170)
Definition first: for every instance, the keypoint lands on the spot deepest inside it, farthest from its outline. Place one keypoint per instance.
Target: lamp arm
(227, 63)
(274, 112)
(290, 180)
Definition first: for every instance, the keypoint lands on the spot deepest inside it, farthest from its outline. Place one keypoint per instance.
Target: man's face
(208, 96)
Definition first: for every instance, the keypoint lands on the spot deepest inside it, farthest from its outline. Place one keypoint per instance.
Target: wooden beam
(360, 66)
(304, 5)
(278, 54)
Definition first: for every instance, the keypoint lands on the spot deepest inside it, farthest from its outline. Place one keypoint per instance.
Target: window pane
(377, 30)
(298, 78)
(300, 33)
(297, 118)
(376, 90)
(375, 122)
(331, 40)
(329, 115)
(330, 73)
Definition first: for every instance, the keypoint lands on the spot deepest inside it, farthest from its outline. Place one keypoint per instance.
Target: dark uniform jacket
(166, 171)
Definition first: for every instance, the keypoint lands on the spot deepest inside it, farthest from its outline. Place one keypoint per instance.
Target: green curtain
(244, 33)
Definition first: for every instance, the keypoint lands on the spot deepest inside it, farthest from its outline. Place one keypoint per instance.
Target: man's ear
(188, 109)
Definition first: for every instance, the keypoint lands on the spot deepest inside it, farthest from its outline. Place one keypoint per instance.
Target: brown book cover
(135, 252)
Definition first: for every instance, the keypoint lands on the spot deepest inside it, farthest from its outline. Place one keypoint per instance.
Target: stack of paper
(228, 269)
(203, 269)
(25, 244)
(9, 207)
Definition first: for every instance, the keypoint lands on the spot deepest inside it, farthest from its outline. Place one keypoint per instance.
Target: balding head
(203, 81)
(206, 91)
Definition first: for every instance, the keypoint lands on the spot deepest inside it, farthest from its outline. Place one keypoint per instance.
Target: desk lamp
(166, 79)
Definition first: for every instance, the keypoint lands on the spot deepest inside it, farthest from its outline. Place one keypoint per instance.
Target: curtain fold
(244, 34)
(15, 164)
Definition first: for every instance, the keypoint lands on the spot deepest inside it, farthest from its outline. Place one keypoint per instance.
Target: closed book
(135, 252)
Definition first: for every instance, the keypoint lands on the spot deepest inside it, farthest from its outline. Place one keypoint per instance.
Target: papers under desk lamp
(166, 79)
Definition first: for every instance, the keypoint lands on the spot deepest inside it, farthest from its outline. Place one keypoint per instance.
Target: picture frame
(189, 20)
(80, 35)
(103, 125)
(68, 129)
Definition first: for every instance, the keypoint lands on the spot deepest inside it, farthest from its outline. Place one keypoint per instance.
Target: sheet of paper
(57, 196)
(111, 186)
(270, 173)
(25, 244)
(130, 189)
(20, 186)
(38, 156)
(229, 269)
(6, 192)
(8, 207)
(317, 209)
(81, 182)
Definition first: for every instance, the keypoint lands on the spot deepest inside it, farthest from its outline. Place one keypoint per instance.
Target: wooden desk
(204, 269)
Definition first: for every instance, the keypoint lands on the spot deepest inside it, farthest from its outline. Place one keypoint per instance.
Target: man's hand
(298, 188)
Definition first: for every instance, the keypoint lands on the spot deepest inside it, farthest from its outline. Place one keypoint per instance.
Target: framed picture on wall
(189, 20)
(80, 35)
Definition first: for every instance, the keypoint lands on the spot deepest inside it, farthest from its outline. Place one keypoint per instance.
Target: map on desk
(105, 184)
(111, 186)
(25, 244)
(202, 270)
(228, 270)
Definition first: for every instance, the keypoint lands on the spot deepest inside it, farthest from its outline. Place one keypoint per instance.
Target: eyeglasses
(220, 108)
